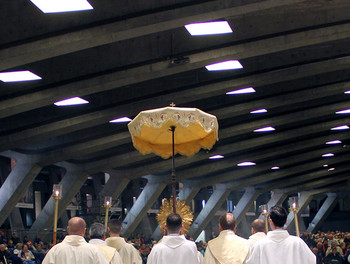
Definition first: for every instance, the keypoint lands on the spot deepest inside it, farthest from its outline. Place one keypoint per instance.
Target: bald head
(258, 225)
(76, 226)
(227, 222)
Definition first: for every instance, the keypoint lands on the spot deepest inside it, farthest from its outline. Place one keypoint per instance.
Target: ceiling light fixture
(59, 6)
(265, 129)
(224, 66)
(325, 165)
(328, 155)
(246, 163)
(120, 120)
(259, 111)
(333, 142)
(209, 28)
(347, 92)
(331, 169)
(275, 168)
(216, 157)
(18, 76)
(71, 101)
(242, 91)
(345, 111)
(344, 127)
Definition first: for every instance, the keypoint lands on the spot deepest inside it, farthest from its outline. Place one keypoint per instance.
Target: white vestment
(280, 247)
(110, 253)
(174, 249)
(227, 248)
(128, 253)
(255, 237)
(74, 249)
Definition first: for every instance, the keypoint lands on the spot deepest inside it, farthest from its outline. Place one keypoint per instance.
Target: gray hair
(97, 230)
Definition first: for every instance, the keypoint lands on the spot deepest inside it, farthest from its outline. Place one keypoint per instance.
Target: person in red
(144, 252)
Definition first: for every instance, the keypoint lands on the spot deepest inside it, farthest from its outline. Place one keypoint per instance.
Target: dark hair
(173, 222)
(227, 221)
(115, 226)
(278, 215)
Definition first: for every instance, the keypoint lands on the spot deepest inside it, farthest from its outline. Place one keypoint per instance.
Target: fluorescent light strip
(224, 66)
(327, 155)
(209, 28)
(333, 142)
(344, 127)
(18, 76)
(59, 6)
(120, 120)
(265, 129)
(216, 157)
(246, 163)
(346, 111)
(242, 91)
(71, 101)
(259, 111)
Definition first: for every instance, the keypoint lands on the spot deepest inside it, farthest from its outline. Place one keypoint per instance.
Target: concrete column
(37, 202)
(304, 200)
(71, 184)
(188, 192)
(215, 201)
(323, 212)
(115, 185)
(147, 198)
(277, 198)
(16, 184)
(244, 203)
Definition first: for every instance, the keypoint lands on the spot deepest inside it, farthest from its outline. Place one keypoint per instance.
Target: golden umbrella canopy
(171, 130)
(195, 129)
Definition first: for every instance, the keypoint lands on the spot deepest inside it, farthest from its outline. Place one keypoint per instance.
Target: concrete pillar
(71, 184)
(244, 203)
(277, 198)
(187, 193)
(304, 199)
(323, 212)
(37, 202)
(115, 185)
(147, 198)
(215, 201)
(16, 184)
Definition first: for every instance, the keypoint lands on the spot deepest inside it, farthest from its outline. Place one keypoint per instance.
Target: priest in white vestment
(227, 248)
(174, 247)
(258, 231)
(97, 237)
(74, 248)
(128, 253)
(279, 246)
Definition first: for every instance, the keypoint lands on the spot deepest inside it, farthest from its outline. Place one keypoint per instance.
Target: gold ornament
(181, 208)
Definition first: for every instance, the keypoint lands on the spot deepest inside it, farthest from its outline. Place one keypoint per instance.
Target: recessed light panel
(58, 6)
(208, 28)
(328, 155)
(18, 76)
(265, 129)
(120, 120)
(224, 66)
(333, 142)
(216, 157)
(259, 111)
(340, 127)
(71, 101)
(246, 163)
(242, 91)
(345, 111)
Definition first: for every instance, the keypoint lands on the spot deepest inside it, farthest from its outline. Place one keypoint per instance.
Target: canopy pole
(173, 173)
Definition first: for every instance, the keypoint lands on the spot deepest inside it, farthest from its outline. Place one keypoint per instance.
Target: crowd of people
(97, 246)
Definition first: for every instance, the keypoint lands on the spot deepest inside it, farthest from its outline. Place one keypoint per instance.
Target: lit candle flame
(57, 192)
(107, 202)
(294, 205)
(265, 211)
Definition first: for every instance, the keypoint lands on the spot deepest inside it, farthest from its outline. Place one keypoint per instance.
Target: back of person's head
(227, 221)
(258, 225)
(115, 226)
(278, 215)
(76, 226)
(173, 223)
(97, 230)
